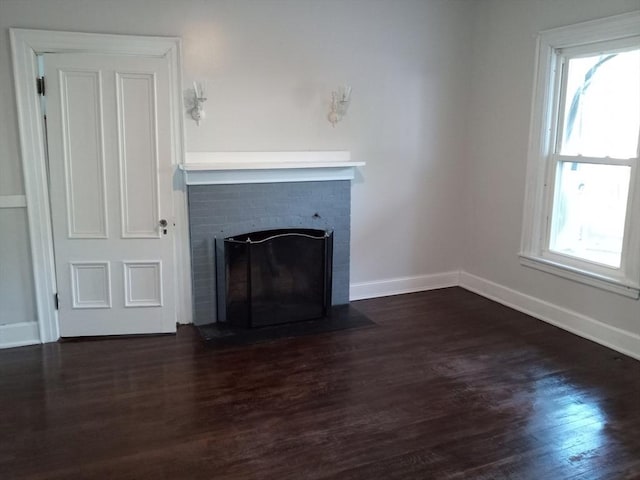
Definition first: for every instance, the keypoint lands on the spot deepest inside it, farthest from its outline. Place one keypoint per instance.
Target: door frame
(25, 45)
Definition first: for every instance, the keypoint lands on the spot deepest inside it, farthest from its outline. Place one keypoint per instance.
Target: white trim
(226, 177)
(182, 252)
(603, 29)
(35, 181)
(13, 201)
(574, 322)
(263, 160)
(220, 168)
(25, 45)
(588, 278)
(621, 162)
(397, 286)
(542, 163)
(19, 334)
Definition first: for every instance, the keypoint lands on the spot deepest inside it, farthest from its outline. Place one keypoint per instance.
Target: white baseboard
(397, 286)
(19, 334)
(574, 322)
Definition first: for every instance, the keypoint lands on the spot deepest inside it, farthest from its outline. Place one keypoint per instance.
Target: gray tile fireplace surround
(220, 211)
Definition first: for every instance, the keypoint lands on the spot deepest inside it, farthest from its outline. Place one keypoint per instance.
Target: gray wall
(220, 211)
(17, 302)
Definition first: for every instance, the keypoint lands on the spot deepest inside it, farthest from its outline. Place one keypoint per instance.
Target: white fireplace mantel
(215, 168)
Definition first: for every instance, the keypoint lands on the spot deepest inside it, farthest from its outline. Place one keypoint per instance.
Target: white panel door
(108, 124)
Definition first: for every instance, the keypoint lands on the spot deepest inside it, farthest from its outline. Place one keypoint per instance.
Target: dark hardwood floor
(448, 385)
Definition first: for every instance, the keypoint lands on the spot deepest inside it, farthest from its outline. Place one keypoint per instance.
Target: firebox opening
(274, 277)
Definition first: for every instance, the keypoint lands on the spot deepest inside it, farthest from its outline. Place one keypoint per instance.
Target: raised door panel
(83, 151)
(143, 284)
(90, 284)
(137, 136)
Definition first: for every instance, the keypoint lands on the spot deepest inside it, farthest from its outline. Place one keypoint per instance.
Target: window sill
(621, 287)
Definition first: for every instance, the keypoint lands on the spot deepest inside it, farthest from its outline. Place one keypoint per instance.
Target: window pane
(602, 108)
(589, 212)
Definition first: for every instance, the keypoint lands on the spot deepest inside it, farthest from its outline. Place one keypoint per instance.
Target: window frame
(553, 48)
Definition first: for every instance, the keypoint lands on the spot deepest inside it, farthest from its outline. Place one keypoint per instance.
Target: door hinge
(56, 301)
(40, 87)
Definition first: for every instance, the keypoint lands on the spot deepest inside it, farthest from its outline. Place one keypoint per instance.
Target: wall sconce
(340, 101)
(197, 111)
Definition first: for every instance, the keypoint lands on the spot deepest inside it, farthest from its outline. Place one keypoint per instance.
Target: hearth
(275, 277)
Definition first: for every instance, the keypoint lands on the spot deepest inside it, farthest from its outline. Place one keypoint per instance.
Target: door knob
(163, 224)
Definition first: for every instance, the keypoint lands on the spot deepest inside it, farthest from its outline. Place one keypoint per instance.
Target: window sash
(555, 159)
(562, 57)
(552, 192)
(621, 162)
(591, 49)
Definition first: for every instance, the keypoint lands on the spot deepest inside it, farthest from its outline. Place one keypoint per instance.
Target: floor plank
(446, 385)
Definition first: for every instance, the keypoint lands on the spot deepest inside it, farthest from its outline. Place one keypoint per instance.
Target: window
(582, 204)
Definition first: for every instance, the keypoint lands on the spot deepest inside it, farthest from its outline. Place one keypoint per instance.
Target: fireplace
(274, 277)
(232, 193)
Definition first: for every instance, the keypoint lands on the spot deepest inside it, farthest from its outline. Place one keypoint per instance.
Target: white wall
(270, 67)
(504, 55)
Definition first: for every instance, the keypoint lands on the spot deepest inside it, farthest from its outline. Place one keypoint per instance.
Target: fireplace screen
(277, 276)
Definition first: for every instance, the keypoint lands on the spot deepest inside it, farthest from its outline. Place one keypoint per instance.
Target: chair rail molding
(13, 201)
